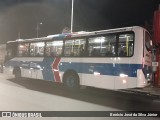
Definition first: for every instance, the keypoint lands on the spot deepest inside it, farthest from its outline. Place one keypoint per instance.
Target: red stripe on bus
(55, 69)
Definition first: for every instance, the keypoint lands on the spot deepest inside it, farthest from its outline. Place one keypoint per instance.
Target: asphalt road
(38, 95)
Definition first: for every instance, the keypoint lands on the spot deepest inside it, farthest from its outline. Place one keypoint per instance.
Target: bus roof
(102, 32)
(74, 34)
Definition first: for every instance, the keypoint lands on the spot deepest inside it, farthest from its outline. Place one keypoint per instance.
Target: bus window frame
(100, 35)
(117, 34)
(18, 49)
(126, 32)
(53, 41)
(43, 49)
(85, 38)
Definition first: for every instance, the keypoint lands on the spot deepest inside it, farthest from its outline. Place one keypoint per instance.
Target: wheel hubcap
(70, 82)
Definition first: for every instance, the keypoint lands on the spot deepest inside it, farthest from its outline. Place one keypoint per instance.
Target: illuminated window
(75, 47)
(54, 48)
(102, 46)
(37, 49)
(23, 49)
(125, 45)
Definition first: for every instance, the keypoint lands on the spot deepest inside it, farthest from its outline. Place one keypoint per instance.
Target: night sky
(20, 17)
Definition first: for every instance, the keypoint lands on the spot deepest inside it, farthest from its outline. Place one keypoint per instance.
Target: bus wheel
(71, 81)
(18, 75)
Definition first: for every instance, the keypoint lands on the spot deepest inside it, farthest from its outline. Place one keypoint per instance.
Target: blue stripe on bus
(102, 68)
(87, 68)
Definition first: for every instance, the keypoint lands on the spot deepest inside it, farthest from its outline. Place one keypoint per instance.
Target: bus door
(37, 52)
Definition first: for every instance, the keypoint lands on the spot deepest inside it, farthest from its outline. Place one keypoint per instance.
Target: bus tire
(18, 75)
(71, 81)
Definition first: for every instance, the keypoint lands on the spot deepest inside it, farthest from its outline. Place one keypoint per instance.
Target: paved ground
(40, 98)
(37, 95)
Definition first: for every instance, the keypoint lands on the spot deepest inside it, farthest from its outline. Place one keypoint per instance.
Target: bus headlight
(96, 73)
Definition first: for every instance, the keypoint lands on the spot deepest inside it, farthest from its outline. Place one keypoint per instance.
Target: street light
(38, 28)
(72, 16)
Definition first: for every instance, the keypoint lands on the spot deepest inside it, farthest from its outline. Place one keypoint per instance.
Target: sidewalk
(149, 91)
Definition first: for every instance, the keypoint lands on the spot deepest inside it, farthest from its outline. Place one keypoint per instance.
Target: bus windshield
(11, 50)
(148, 41)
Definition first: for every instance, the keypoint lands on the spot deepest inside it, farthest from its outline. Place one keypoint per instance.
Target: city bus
(108, 59)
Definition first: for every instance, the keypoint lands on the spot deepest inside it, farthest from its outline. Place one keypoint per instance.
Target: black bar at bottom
(79, 113)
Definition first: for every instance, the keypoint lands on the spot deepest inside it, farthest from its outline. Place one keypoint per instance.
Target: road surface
(38, 95)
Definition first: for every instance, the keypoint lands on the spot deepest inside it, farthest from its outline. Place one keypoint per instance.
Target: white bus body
(108, 69)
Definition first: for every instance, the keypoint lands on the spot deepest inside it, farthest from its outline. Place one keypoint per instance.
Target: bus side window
(69, 48)
(125, 45)
(95, 52)
(110, 45)
(81, 47)
(37, 49)
(54, 48)
(32, 50)
(23, 49)
(47, 51)
(75, 48)
(102, 46)
(9, 53)
(94, 46)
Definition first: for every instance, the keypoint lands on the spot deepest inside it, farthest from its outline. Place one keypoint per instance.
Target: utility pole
(72, 16)
(19, 35)
(38, 28)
